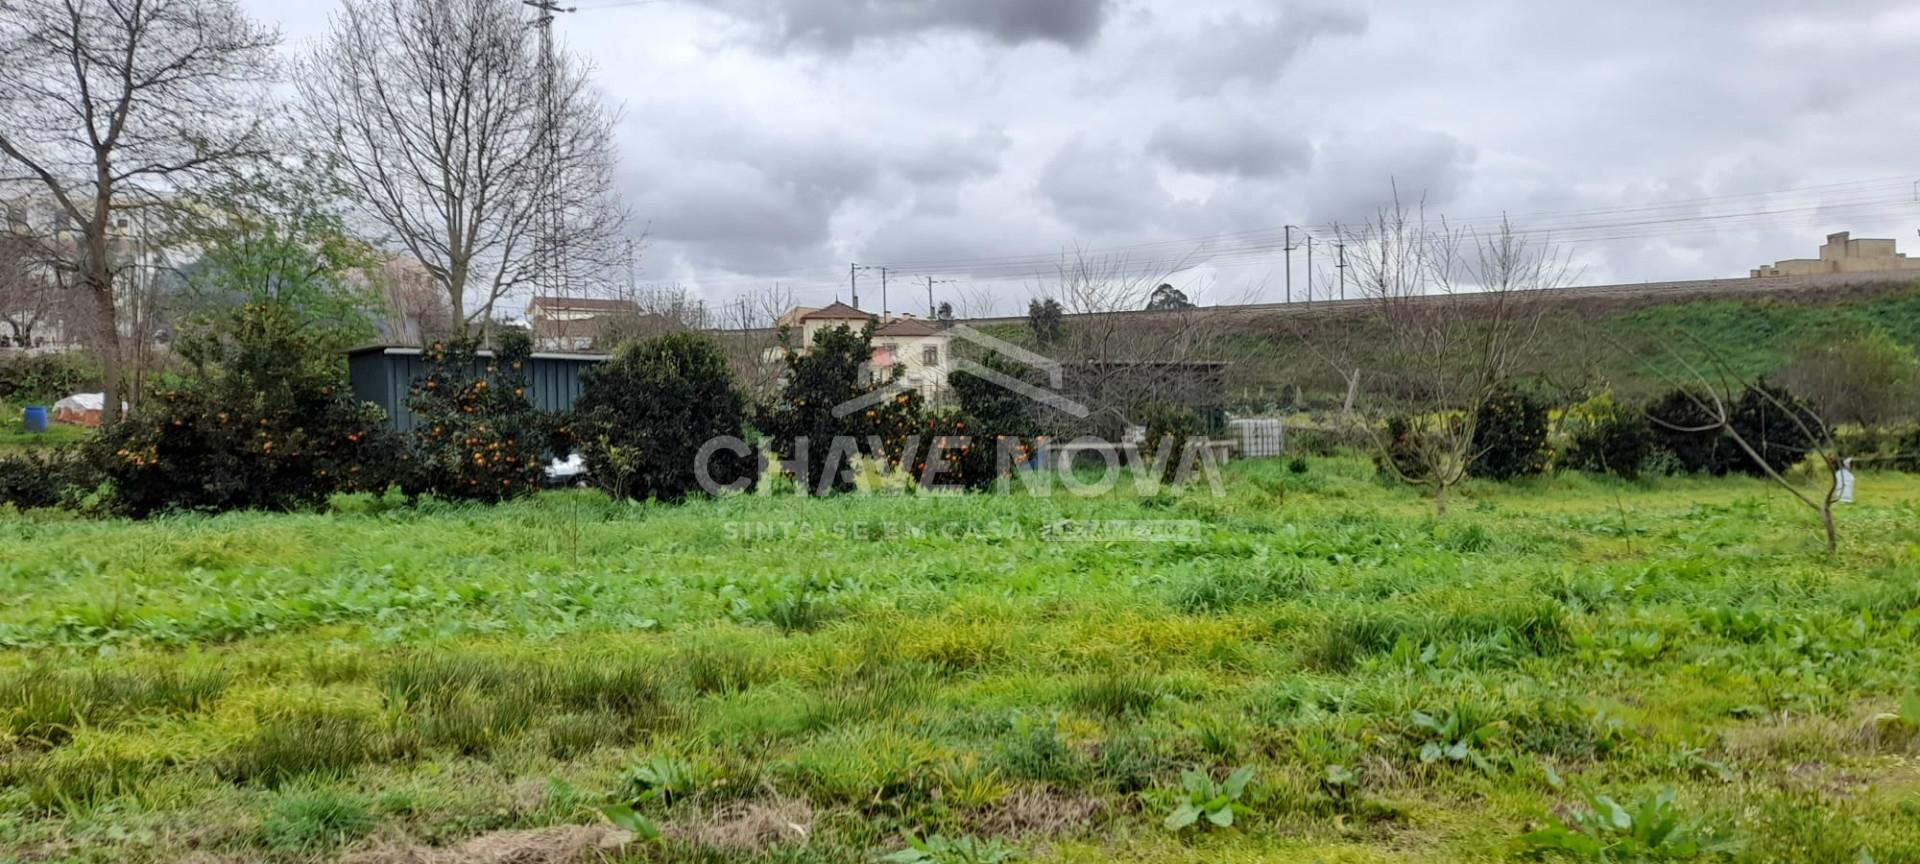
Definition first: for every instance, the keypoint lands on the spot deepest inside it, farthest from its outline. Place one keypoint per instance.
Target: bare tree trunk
(1353, 390)
(1826, 508)
(106, 334)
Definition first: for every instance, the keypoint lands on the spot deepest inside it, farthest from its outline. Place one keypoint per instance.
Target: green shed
(382, 374)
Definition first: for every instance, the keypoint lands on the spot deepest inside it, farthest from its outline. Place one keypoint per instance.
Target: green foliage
(477, 436)
(1607, 438)
(937, 849)
(1510, 437)
(644, 416)
(319, 744)
(1046, 320)
(1763, 415)
(988, 416)
(46, 478)
(267, 421)
(43, 379)
(1126, 694)
(1682, 427)
(626, 818)
(1458, 735)
(46, 708)
(1650, 829)
(458, 671)
(279, 239)
(315, 819)
(663, 779)
(804, 425)
(1171, 430)
(1200, 797)
(1864, 378)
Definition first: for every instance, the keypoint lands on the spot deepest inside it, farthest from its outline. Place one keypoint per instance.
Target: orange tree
(266, 421)
(833, 401)
(477, 437)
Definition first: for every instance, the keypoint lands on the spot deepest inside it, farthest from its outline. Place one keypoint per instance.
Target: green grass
(15, 438)
(787, 680)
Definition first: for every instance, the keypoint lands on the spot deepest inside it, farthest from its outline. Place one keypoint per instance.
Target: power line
(1279, 237)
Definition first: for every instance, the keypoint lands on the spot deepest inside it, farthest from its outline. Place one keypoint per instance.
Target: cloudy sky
(775, 141)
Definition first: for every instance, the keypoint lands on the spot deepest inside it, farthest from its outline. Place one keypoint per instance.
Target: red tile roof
(906, 327)
(837, 312)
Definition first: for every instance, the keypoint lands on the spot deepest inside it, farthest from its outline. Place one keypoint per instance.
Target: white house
(921, 351)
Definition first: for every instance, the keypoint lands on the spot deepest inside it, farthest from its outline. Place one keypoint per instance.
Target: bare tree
(464, 142)
(112, 106)
(752, 338)
(1121, 362)
(1714, 389)
(30, 298)
(1458, 315)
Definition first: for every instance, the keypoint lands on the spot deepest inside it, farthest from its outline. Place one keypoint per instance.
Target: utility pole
(1289, 251)
(1309, 269)
(549, 229)
(1342, 266)
(853, 283)
(883, 295)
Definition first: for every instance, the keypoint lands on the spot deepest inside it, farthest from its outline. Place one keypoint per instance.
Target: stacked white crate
(1259, 437)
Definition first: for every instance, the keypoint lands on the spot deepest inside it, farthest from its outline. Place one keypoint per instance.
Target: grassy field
(809, 681)
(14, 437)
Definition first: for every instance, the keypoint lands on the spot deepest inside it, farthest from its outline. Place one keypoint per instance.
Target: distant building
(921, 351)
(585, 324)
(148, 264)
(1843, 254)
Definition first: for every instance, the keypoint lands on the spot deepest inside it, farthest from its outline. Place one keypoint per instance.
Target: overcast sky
(778, 140)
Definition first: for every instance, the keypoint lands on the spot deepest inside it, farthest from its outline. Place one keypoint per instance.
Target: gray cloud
(1226, 143)
(779, 139)
(836, 26)
(1100, 188)
(1357, 173)
(1234, 48)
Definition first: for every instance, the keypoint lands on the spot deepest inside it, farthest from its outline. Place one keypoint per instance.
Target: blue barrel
(35, 418)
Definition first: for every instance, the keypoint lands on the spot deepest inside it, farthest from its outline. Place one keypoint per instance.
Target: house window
(930, 355)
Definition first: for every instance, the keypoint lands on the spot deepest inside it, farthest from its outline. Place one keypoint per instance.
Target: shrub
(1907, 455)
(1170, 429)
(267, 422)
(1510, 437)
(1607, 438)
(1681, 427)
(803, 424)
(41, 379)
(478, 438)
(644, 416)
(1402, 451)
(1763, 415)
(989, 416)
(45, 478)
